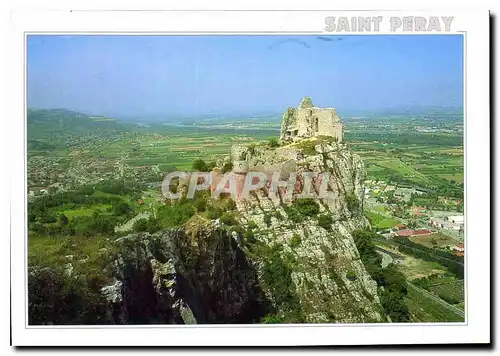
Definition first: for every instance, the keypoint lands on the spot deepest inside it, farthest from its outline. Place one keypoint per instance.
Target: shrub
(251, 148)
(393, 281)
(56, 299)
(121, 208)
(63, 220)
(277, 274)
(308, 147)
(273, 142)
(271, 319)
(147, 225)
(230, 204)
(199, 165)
(350, 275)
(200, 204)
(252, 225)
(267, 219)
(307, 206)
(325, 221)
(249, 236)
(352, 202)
(227, 167)
(295, 241)
(211, 165)
(228, 219)
(175, 214)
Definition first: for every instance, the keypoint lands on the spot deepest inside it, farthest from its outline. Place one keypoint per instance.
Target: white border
(475, 24)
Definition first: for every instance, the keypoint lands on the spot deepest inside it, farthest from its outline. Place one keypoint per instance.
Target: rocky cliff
(194, 274)
(330, 282)
(284, 261)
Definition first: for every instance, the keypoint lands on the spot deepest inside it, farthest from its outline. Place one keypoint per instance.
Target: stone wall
(309, 121)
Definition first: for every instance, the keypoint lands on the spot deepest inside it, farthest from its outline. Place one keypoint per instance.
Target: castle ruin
(307, 120)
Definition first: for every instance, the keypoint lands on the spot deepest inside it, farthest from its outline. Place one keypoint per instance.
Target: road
(130, 224)
(437, 299)
(386, 258)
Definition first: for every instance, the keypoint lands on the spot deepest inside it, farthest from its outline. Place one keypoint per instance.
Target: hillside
(58, 123)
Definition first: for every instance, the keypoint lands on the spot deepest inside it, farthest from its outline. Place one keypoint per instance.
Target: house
(410, 232)
(446, 223)
(404, 233)
(459, 248)
(456, 219)
(421, 232)
(400, 226)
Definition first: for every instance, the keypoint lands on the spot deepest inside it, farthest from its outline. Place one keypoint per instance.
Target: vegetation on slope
(392, 283)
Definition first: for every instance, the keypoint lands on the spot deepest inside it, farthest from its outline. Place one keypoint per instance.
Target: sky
(155, 76)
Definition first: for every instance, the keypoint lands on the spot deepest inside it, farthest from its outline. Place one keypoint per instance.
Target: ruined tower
(306, 120)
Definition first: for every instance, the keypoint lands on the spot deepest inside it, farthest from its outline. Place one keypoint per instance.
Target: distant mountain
(416, 111)
(47, 123)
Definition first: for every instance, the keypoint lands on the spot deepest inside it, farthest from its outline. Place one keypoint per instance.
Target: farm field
(172, 150)
(434, 240)
(414, 268)
(85, 211)
(424, 309)
(380, 221)
(418, 167)
(452, 292)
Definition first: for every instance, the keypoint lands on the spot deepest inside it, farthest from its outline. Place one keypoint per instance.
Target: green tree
(228, 219)
(295, 241)
(121, 208)
(200, 204)
(325, 221)
(63, 220)
(273, 142)
(199, 165)
(227, 167)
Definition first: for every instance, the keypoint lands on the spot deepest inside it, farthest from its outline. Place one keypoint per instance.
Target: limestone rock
(194, 274)
(324, 258)
(113, 292)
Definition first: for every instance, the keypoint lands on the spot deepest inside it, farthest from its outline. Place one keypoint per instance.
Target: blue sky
(196, 75)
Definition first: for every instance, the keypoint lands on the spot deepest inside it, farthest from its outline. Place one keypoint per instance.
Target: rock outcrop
(329, 278)
(277, 262)
(194, 274)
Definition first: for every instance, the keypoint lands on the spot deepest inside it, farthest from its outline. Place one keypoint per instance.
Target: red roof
(405, 232)
(400, 226)
(460, 245)
(410, 232)
(422, 232)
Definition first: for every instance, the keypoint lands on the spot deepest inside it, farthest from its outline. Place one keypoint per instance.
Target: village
(398, 211)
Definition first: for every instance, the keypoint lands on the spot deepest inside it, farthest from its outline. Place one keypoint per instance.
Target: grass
(457, 177)
(424, 309)
(87, 211)
(380, 209)
(50, 250)
(453, 290)
(414, 268)
(416, 164)
(380, 221)
(441, 240)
